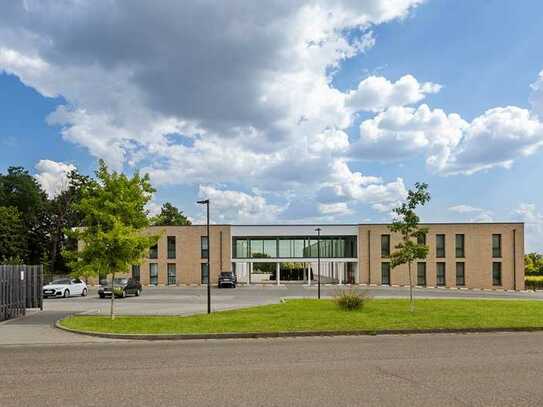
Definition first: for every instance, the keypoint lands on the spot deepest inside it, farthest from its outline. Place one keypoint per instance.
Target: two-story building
(471, 255)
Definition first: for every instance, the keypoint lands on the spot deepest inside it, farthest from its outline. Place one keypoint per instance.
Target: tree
(63, 214)
(533, 263)
(406, 223)
(170, 216)
(19, 189)
(114, 218)
(12, 235)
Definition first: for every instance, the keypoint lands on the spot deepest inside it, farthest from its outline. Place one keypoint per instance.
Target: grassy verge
(314, 315)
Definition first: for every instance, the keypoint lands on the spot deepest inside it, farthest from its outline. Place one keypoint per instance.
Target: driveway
(38, 327)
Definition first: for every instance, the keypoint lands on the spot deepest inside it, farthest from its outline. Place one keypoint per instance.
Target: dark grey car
(122, 287)
(227, 279)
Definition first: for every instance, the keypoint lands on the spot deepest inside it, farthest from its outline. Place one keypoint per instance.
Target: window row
(460, 245)
(171, 248)
(441, 274)
(171, 273)
(170, 243)
(295, 247)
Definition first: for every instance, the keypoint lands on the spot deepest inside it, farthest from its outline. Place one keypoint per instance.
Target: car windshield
(226, 274)
(61, 281)
(120, 281)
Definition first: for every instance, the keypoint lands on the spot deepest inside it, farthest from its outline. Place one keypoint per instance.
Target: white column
(340, 271)
(278, 272)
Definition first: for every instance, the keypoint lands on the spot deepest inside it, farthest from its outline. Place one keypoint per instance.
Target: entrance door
(349, 273)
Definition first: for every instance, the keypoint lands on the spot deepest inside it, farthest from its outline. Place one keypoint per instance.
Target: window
(460, 274)
(385, 273)
(136, 272)
(440, 245)
(440, 274)
(421, 239)
(153, 273)
(496, 245)
(460, 243)
(270, 248)
(153, 252)
(204, 247)
(205, 273)
(172, 278)
(241, 246)
(171, 247)
(385, 245)
(496, 273)
(421, 274)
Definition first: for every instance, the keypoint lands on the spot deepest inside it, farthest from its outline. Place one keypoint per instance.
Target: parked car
(122, 287)
(65, 287)
(227, 279)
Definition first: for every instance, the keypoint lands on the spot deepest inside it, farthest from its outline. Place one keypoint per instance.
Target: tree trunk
(411, 290)
(112, 297)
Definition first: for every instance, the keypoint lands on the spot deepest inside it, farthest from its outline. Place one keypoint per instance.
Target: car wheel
(137, 293)
(123, 294)
(102, 295)
(66, 293)
(84, 292)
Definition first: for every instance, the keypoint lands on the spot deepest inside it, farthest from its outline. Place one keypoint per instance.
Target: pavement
(413, 370)
(38, 326)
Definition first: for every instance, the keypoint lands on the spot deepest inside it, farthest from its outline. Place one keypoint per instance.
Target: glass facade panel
(496, 245)
(421, 274)
(241, 248)
(270, 248)
(460, 274)
(171, 247)
(256, 247)
(421, 239)
(172, 275)
(295, 247)
(440, 274)
(153, 273)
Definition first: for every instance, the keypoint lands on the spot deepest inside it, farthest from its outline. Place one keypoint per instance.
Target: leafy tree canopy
(12, 234)
(170, 216)
(533, 263)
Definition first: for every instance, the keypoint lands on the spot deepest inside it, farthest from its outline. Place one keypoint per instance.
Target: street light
(206, 202)
(318, 230)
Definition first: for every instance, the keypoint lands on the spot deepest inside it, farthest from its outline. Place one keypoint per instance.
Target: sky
(282, 111)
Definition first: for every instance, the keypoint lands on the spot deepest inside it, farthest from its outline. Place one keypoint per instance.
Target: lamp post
(206, 202)
(318, 230)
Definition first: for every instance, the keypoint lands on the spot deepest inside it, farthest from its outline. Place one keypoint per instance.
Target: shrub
(350, 300)
(533, 282)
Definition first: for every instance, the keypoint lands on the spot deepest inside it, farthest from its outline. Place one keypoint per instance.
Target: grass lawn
(314, 315)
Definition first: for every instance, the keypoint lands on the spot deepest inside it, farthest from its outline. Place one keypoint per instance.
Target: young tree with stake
(406, 223)
(114, 219)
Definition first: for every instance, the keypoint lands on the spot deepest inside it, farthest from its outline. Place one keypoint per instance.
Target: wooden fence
(20, 288)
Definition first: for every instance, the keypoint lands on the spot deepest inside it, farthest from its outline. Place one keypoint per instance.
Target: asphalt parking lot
(191, 300)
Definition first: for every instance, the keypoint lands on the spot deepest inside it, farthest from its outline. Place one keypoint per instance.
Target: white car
(65, 287)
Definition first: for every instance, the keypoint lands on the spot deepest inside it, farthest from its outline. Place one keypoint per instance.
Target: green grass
(324, 315)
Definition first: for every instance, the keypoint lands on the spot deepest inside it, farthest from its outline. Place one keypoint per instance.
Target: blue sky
(298, 112)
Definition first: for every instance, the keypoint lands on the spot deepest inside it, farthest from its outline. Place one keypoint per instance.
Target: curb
(290, 334)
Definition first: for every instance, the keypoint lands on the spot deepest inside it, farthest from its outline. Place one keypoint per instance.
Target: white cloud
(452, 146)
(53, 176)
(373, 191)
(536, 98)
(472, 214)
(339, 208)
(533, 219)
(375, 94)
(228, 206)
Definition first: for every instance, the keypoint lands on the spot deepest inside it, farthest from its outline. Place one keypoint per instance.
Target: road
(411, 370)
